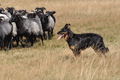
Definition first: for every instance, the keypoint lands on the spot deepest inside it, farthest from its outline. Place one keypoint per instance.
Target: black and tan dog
(79, 42)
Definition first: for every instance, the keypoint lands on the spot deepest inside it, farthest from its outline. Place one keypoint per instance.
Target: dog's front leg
(77, 53)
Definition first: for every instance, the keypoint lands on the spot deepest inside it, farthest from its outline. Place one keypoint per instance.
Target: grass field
(54, 60)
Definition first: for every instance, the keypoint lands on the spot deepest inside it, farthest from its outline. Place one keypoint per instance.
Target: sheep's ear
(47, 15)
(13, 8)
(6, 8)
(43, 8)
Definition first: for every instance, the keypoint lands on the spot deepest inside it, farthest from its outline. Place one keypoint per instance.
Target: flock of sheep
(16, 24)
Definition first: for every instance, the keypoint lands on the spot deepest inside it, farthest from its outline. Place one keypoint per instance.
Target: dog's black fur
(79, 42)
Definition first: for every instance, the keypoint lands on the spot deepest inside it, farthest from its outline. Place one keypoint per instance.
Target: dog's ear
(67, 26)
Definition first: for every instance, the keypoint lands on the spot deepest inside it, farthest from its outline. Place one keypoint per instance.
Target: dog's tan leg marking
(72, 47)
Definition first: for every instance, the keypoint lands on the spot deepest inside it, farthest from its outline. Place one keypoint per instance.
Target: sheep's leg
(44, 35)
(9, 46)
(20, 39)
(2, 43)
(49, 34)
(42, 39)
(52, 32)
(17, 40)
(31, 40)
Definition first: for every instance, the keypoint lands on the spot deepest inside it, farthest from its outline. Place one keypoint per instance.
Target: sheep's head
(1, 10)
(15, 17)
(40, 9)
(11, 10)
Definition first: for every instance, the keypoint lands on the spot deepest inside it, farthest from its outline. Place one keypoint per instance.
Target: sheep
(6, 35)
(28, 27)
(48, 23)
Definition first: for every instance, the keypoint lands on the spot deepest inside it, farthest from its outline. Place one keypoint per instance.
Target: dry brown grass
(54, 60)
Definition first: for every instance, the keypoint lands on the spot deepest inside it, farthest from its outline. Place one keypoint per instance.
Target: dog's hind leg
(100, 50)
(99, 47)
(99, 53)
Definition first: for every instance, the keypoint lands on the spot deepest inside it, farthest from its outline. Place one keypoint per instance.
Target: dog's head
(64, 32)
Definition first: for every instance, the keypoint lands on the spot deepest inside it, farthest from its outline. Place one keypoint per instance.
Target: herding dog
(79, 42)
